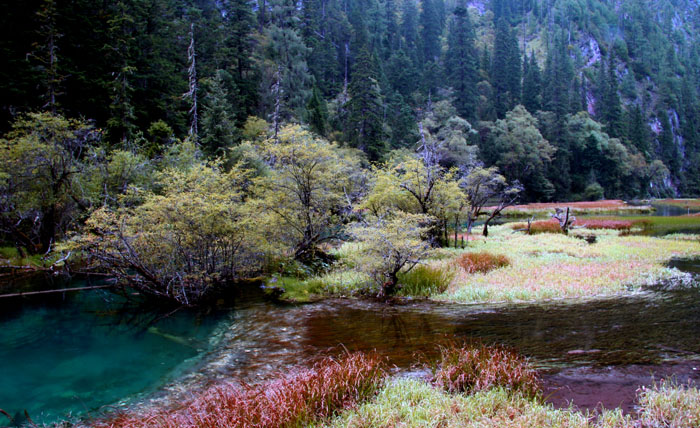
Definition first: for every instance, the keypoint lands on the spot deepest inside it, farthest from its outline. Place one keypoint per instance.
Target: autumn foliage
(482, 262)
(477, 367)
(294, 400)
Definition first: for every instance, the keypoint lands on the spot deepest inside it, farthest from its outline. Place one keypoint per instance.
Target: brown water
(599, 350)
(588, 352)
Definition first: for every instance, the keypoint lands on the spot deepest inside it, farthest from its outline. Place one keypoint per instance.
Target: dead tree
(565, 220)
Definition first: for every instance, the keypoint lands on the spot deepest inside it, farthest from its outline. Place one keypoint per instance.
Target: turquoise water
(71, 354)
(80, 354)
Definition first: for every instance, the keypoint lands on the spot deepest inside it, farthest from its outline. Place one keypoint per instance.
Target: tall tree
(532, 85)
(430, 31)
(461, 63)
(506, 69)
(364, 127)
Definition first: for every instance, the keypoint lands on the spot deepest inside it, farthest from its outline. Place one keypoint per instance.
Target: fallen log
(62, 290)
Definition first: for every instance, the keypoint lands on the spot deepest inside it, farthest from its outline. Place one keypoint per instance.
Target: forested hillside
(574, 98)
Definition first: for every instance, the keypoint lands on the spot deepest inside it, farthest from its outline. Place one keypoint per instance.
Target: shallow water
(74, 356)
(70, 354)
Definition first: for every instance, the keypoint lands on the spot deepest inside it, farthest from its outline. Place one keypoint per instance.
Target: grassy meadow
(512, 266)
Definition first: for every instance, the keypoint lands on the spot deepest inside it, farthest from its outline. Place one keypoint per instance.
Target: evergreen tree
(505, 69)
(317, 113)
(430, 31)
(461, 63)
(364, 127)
(638, 131)
(532, 85)
(611, 100)
(218, 131)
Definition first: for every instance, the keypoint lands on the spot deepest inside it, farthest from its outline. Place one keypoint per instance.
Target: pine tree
(317, 113)
(611, 98)
(430, 31)
(461, 63)
(45, 53)
(364, 127)
(506, 69)
(218, 131)
(532, 85)
(638, 131)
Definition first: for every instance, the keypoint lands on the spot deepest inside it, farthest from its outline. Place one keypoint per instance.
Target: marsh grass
(552, 266)
(425, 280)
(335, 283)
(295, 400)
(482, 262)
(669, 405)
(410, 403)
(473, 367)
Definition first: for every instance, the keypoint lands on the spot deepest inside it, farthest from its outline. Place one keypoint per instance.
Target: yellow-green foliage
(300, 202)
(409, 403)
(557, 266)
(39, 170)
(195, 233)
(410, 186)
(390, 246)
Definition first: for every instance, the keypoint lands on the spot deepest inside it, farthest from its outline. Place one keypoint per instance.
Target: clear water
(77, 354)
(71, 354)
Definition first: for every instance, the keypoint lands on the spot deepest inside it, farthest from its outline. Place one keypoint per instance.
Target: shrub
(292, 401)
(477, 367)
(425, 281)
(482, 262)
(594, 192)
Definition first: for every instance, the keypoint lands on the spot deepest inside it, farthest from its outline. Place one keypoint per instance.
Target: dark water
(90, 350)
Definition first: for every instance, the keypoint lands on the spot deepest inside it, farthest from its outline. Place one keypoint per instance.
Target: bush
(425, 281)
(293, 401)
(476, 367)
(482, 262)
(540, 226)
(594, 192)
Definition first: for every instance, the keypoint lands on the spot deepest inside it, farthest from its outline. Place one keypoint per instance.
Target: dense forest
(573, 98)
(224, 133)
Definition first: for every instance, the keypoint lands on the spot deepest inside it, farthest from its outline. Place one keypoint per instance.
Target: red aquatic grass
(608, 204)
(482, 262)
(473, 367)
(540, 226)
(296, 399)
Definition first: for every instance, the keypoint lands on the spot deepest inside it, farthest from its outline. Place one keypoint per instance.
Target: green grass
(10, 256)
(410, 403)
(549, 266)
(424, 281)
(336, 283)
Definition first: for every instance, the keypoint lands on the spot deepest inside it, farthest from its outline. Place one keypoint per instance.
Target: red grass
(540, 226)
(477, 367)
(611, 204)
(482, 262)
(692, 203)
(295, 400)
